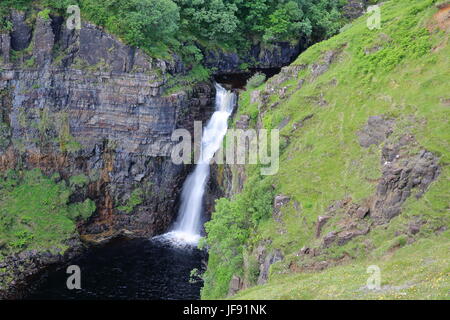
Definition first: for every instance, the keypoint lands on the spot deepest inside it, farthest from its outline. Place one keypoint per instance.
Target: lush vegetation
(256, 80)
(35, 212)
(401, 71)
(229, 230)
(160, 26)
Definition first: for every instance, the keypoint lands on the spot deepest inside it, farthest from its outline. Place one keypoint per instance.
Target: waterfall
(188, 225)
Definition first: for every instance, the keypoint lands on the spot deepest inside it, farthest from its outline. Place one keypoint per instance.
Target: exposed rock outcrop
(21, 33)
(403, 176)
(270, 259)
(236, 284)
(378, 128)
(354, 8)
(279, 202)
(275, 56)
(79, 102)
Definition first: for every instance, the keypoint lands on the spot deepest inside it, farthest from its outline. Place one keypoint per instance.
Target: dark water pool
(128, 269)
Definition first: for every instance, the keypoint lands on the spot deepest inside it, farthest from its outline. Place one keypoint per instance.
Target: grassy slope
(419, 271)
(35, 214)
(407, 80)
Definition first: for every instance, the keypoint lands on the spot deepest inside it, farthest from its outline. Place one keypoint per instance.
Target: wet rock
(111, 97)
(281, 54)
(20, 268)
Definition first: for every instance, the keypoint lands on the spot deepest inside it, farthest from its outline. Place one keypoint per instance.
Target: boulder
(321, 221)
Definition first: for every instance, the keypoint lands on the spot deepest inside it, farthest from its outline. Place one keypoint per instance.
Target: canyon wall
(79, 102)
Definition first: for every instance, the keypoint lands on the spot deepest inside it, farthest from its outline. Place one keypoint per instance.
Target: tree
(139, 22)
(209, 19)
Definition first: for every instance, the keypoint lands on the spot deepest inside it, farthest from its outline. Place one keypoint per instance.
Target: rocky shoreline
(22, 269)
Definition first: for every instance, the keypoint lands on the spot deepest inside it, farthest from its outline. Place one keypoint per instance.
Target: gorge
(92, 109)
(86, 123)
(126, 269)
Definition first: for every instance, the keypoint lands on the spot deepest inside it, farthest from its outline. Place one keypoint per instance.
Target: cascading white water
(188, 226)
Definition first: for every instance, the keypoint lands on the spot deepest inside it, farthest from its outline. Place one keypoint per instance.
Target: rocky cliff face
(275, 56)
(79, 102)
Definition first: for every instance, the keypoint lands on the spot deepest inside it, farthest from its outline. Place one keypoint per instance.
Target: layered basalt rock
(80, 102)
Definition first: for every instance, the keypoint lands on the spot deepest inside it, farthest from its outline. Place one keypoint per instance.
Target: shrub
(228, 231)
(44, 14)
(134, 200)
(256, 80)
(78, 181)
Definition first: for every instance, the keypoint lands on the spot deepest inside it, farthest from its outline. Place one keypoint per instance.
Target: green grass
(35, 212)
(325, 157)
(419, 271)
(322, 161)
